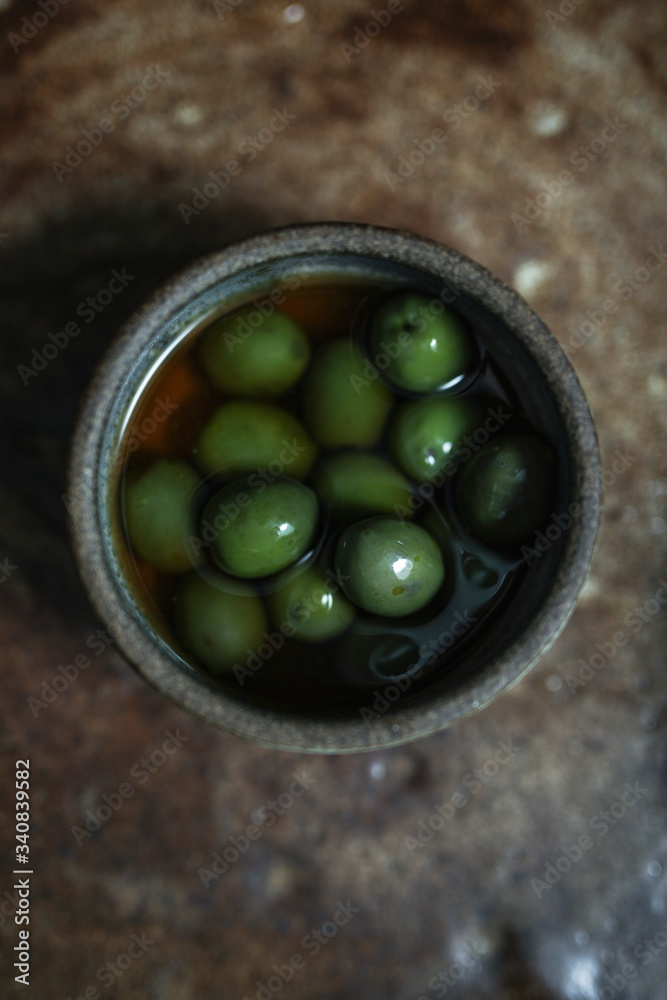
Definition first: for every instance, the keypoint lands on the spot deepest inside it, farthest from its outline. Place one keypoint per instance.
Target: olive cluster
(298, 496)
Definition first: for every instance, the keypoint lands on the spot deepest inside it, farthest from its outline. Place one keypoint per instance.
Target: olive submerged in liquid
(425, 342)
(389, 567)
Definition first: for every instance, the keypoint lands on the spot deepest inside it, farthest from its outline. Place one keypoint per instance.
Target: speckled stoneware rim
(88, 478)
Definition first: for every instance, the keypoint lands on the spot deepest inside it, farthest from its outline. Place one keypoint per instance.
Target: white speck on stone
(187, 114)
(294, 13)
(378, 770)
(657, 385)
(581, 976)
(629, 515)
(480, 942)
(654, 868)
(656, 487)
(549, 119)
(530, 275)
(658, 525)
(554, 682)
(460, 947)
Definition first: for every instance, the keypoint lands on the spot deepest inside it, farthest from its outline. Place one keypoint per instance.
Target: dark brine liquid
(333, 676)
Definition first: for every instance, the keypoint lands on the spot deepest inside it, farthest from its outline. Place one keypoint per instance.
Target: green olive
(389, 567)
(423, 341)
(263, 529)
(251, 354)
(221, 629)
(426, 435)
(244, 436)
(313, 606)
(359, 483)
(344, 403)
(157, 514)
(502, 492)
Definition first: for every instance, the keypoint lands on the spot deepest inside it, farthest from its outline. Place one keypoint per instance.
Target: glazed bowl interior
(487, 661)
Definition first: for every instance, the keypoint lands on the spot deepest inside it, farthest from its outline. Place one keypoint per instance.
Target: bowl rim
(402, 722)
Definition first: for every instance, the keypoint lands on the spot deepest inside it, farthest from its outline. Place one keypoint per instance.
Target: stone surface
(552, 83)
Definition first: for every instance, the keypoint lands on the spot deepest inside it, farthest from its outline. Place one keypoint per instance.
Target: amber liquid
(338, 675)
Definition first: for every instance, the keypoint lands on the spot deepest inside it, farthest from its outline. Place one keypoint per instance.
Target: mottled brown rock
(554, 86)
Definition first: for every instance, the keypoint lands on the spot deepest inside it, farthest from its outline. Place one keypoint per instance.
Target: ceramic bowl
(548, 387)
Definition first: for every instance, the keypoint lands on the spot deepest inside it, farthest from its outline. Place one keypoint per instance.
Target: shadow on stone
(56, 275)
(516, 978)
